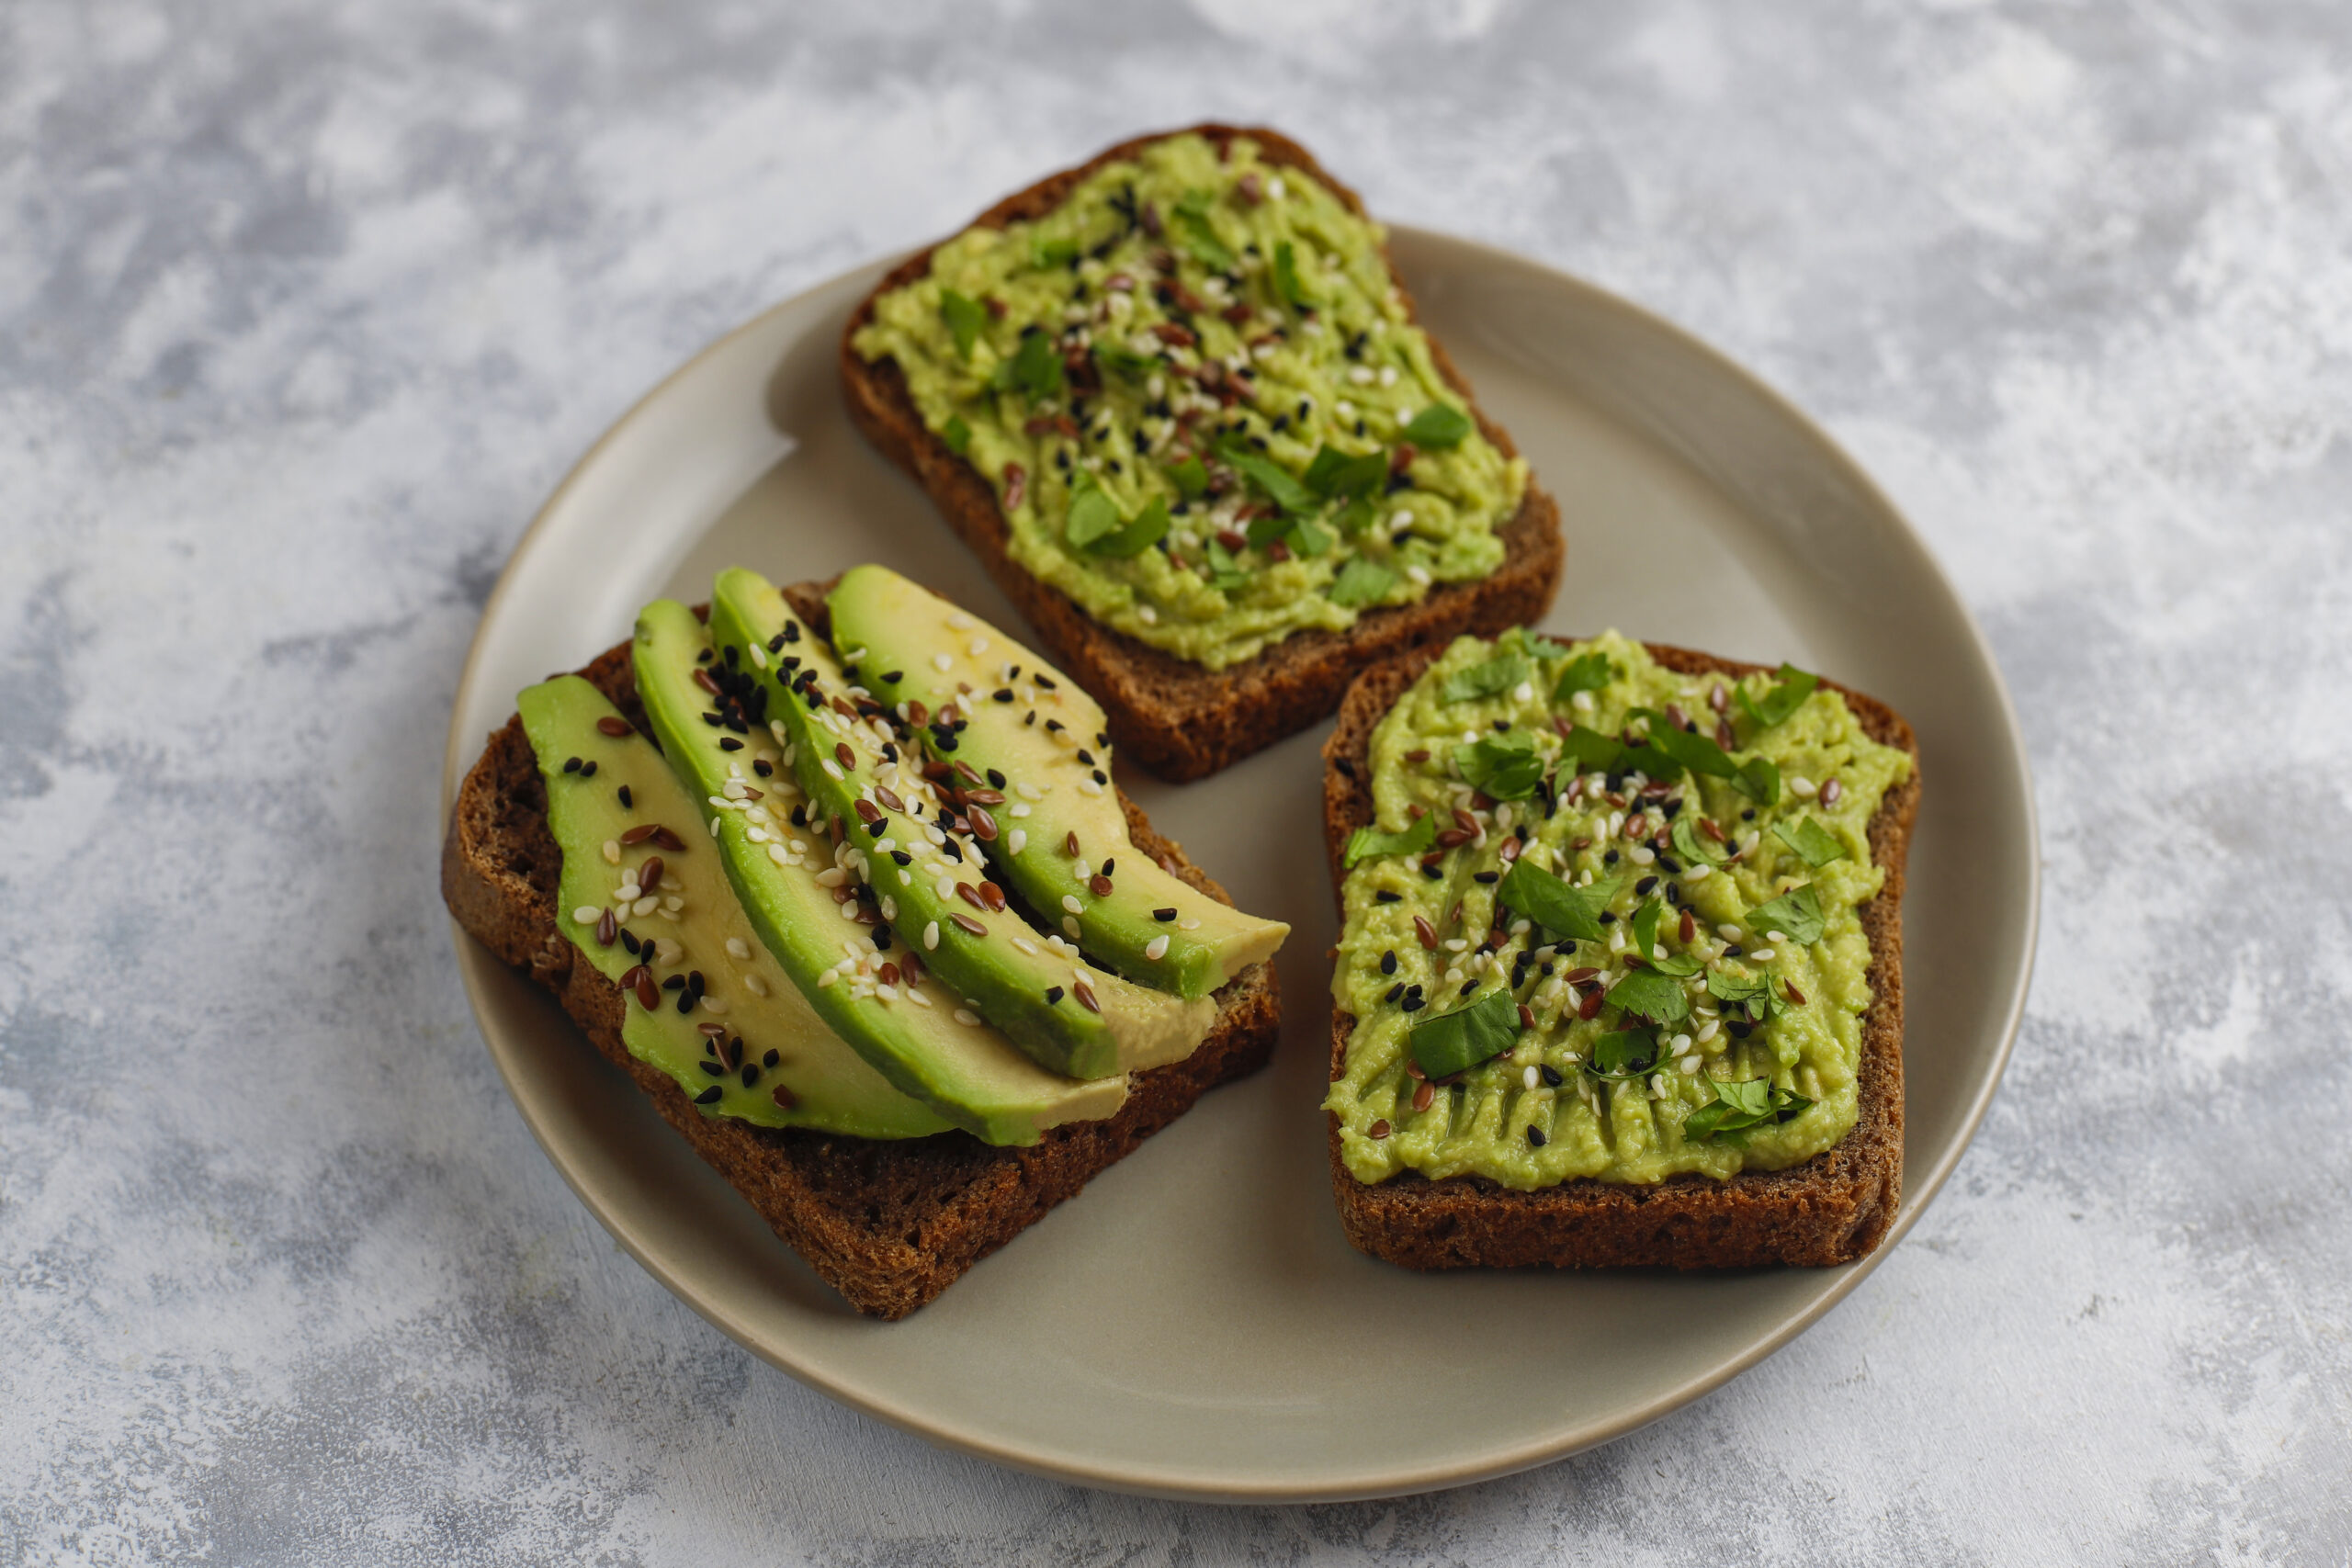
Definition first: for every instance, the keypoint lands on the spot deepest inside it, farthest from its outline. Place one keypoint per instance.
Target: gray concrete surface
(304, 307)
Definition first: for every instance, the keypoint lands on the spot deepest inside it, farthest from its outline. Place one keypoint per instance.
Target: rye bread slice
(1831, 1209)
(1178, 719)
(887, 1223)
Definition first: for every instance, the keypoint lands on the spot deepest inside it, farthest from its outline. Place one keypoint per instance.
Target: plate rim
(475, 962)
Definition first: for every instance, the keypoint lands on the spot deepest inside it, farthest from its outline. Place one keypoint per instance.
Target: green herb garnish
(1438, 426)
(1814, 844)
(1309, 538)
(1334, 472)
(1564, 911)
(1417, 839)
(1035, 370)
(1499, 674)
(1360, 582)
(965, 317)
(1695, 752)
(1044, 252)
(1273, 481)
(1468, 1036)
(1759, 779)
(1795, 914)
(1740, 1107)
(957, 434)
(1645, 994)
(1224, 572)
(1093, 515)
(1624, 1054)
(1693, 846)
(1507, 766)
(1125, 360)
(1587, 672)
(1591, 751)
(1775, 706)
(1132, 538)
(1190, 477)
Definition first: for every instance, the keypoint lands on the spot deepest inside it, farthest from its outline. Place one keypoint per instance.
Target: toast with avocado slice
(889, 1218)
(1178, 401)
(1620, 980)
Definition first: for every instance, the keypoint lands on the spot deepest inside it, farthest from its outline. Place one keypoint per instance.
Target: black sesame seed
(1674, 892)
(715, 1069)
(1394, 992)
(1733, 951)
(1673, 866)
(996, 779)
(751, 1074)
(1748, 815)
(902, 857)
(1001, 694)
(1412, 1004)
(676, 981)
(709, 1096)
(1487, 876)
(1386, 897)
(1642, 887)
(713, 720)
(628, 802)
(1550, 1074)
(628, 939)
(1086, 756)
(1608, 917)
(728, 743)
(1609, 859)
(1468, 987)
(1052, 994)
(892, 677)
(1432, 873)
(572, 764)
(687, 1001)
(881, 939)
(1535, 1137)
(1163, 914)
(772, 1058)
(1100, 776)
(1388, 962)
(1502, 727)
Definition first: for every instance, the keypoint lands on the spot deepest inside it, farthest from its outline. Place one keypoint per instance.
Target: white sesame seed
(1728, 932)
(1690, 1065)
(914, 995)
(1276, 189)
(1522, 693)
(1188, 925)
(931, 935)
(1018, 811)
(1361, 375)
(1582, 702)
(1400, 518)
(1707, 1031)
(848, 907)
(960, 621)
(1069, 924)
(1069, 902)
(755, 984)
(715, 1006)
(830, 977)
(833, 876)
(612, 852)
(1147, 614)
(1762, 954)
(890, 907)
(1699, 872)
(738, 948)
(1641, 855)
(1419, 574)
(1016, 840)
(968, 1019)
(778, 853)
(1027, 791)
(1025, 946)
(586, 915)
(832, 770)
(1156, 948)
(1087, 786)
(1388, 375)
(1776, 936)
(1802, 786)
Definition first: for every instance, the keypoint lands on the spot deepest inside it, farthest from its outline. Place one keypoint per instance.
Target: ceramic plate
(1194, 1324)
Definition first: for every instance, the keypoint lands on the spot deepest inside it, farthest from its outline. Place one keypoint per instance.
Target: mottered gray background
(304, 308)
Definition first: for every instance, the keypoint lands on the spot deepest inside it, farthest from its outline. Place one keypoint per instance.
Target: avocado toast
(1176, 400)
(905, 1138)
(1716, 1091)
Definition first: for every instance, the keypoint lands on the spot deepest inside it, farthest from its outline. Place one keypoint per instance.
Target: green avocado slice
(923, 873)
(912, 1032)
(1035, 752)
(749, 1046)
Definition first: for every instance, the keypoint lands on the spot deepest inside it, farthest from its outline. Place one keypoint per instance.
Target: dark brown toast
(1831, 1209)
(888, 1223)
(1178, 719)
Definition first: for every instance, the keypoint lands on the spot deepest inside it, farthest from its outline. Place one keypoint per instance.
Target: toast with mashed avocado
(1620, 981)
(726, 904)
(1178, 401)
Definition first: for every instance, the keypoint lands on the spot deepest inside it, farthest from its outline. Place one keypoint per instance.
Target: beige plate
(1194, 1324)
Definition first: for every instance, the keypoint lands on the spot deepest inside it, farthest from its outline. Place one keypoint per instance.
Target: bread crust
(1831, 1209)
(1177, 718)
(887, 1223)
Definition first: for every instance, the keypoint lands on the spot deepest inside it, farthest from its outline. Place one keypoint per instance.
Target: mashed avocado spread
(1605, 922)
(1201, 403)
